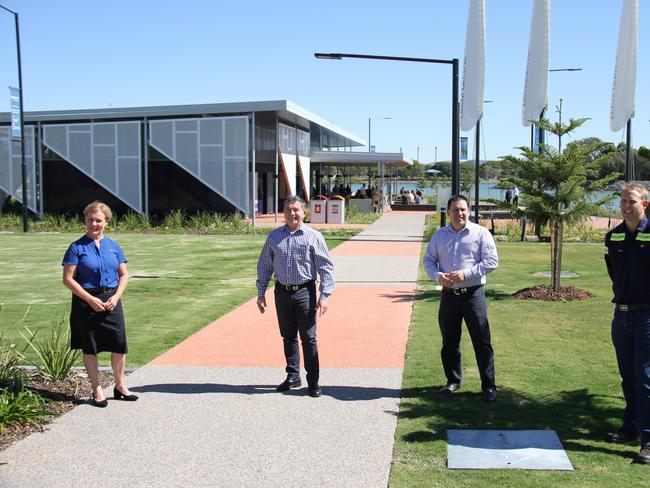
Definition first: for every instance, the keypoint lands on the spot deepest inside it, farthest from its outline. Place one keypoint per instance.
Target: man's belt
(621, 307)
(460, 291)
(294, 287)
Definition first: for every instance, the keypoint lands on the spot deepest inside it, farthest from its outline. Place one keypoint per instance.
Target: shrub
(24, 406)
(55, 358)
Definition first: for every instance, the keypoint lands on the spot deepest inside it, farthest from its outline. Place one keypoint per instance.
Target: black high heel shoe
(118, 395)
(101, 403)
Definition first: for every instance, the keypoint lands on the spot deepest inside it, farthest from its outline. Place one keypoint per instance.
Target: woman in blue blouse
(94, 269)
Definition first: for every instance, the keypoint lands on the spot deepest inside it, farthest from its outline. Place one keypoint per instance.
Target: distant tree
(555, 188)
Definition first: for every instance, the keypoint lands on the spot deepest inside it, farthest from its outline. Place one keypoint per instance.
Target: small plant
(174, 220)
(11, 376)
(55, 358)
(23, 406)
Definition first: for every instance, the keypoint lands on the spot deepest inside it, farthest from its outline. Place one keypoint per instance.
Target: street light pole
(455, 108)
(370, 129)
(23, 165)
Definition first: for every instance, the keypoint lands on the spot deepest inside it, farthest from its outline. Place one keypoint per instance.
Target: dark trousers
(297, 315)
(472, 307)
(631, 338)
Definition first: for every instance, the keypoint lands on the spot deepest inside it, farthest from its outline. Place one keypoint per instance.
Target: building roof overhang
(349, 158)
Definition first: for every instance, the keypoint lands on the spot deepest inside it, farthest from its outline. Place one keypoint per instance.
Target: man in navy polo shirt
(628, 264)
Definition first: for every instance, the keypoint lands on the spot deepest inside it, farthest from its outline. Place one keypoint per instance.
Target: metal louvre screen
(107, 152)
(10, 166)
(214, 150)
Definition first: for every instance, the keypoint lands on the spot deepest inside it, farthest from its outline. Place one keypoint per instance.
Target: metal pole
(455, 119)
(476, 179)
(629, 163)
(23, 164)
(145, 164)
(253, 174)
(369, 134)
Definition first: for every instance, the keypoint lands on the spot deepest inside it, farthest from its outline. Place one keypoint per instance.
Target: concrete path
(208, 413)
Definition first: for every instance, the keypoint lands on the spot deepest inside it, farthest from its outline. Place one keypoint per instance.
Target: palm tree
(554, 186)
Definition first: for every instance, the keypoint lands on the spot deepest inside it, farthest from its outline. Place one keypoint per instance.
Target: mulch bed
(62, 397)
(545, 292)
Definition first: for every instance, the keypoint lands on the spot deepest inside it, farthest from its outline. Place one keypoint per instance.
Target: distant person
(627, 257)
(515, 196)
(508, 196)
(459, 256)
(418, 198)
(361, 192)
(94, 270)
(297, 255)
(410, 196)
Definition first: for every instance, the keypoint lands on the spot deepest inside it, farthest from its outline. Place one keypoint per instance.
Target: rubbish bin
(318, 209)
(336, 210)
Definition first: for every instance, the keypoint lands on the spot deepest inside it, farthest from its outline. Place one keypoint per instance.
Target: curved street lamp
(455, 118)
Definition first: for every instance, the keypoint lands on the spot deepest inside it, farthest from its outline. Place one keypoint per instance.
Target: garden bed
(61, 397)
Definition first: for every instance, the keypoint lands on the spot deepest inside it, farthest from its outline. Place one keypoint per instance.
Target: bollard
(523, 228)
(443, 217)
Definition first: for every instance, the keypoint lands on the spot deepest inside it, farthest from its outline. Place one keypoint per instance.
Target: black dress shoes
(449, 388)
(118, 395)
(644, 456)
(314, 391)
(289, 384)
(623, 436)
(489, 395)
(100, 403)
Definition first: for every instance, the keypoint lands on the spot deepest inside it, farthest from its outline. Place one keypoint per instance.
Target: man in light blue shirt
(459, 257)
(297, 255)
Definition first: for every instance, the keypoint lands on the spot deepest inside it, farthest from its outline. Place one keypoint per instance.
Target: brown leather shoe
(449, 388)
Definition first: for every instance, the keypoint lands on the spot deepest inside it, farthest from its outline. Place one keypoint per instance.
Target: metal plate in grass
(563, 274)
(506, 449)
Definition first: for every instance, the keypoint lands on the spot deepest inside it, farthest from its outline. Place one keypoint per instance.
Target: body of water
(486, 190)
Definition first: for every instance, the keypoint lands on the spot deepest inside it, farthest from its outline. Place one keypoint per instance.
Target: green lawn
(555, 369)
(178, 284)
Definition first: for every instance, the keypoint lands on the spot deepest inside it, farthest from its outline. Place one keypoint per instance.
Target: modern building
(225, 157)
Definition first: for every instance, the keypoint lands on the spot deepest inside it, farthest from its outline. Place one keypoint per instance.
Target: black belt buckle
(623, 308)
(459, 291)
(292, 287)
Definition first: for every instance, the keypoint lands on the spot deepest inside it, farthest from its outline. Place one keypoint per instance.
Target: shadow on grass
(434, 295)
(343, 393)
(580, 419)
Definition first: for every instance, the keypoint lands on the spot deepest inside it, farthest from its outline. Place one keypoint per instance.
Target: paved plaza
(208, 413)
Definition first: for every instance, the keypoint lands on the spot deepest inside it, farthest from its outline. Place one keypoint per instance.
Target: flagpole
(629, 161)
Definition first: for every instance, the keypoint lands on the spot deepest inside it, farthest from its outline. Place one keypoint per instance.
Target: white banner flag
(471, 105)
(536, 85)
(623, 91)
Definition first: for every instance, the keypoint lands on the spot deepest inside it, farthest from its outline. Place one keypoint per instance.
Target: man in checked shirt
(296, 254)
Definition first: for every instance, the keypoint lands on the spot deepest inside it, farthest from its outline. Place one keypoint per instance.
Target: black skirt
(95, 332)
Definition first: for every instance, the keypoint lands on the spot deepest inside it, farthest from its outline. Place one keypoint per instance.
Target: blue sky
(92, 54)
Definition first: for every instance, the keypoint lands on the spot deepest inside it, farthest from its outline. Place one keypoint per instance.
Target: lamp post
(455, 118)
(370, 129)
(541, 116)
(23, 164)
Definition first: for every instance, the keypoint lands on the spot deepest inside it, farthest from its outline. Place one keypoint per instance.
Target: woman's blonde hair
(101, 206)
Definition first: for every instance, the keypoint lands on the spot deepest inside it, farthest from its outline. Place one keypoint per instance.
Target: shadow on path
(343, 393)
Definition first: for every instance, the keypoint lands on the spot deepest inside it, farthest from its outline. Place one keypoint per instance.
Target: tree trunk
(557, 228)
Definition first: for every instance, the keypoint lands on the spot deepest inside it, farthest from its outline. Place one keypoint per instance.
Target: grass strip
(555, 369)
